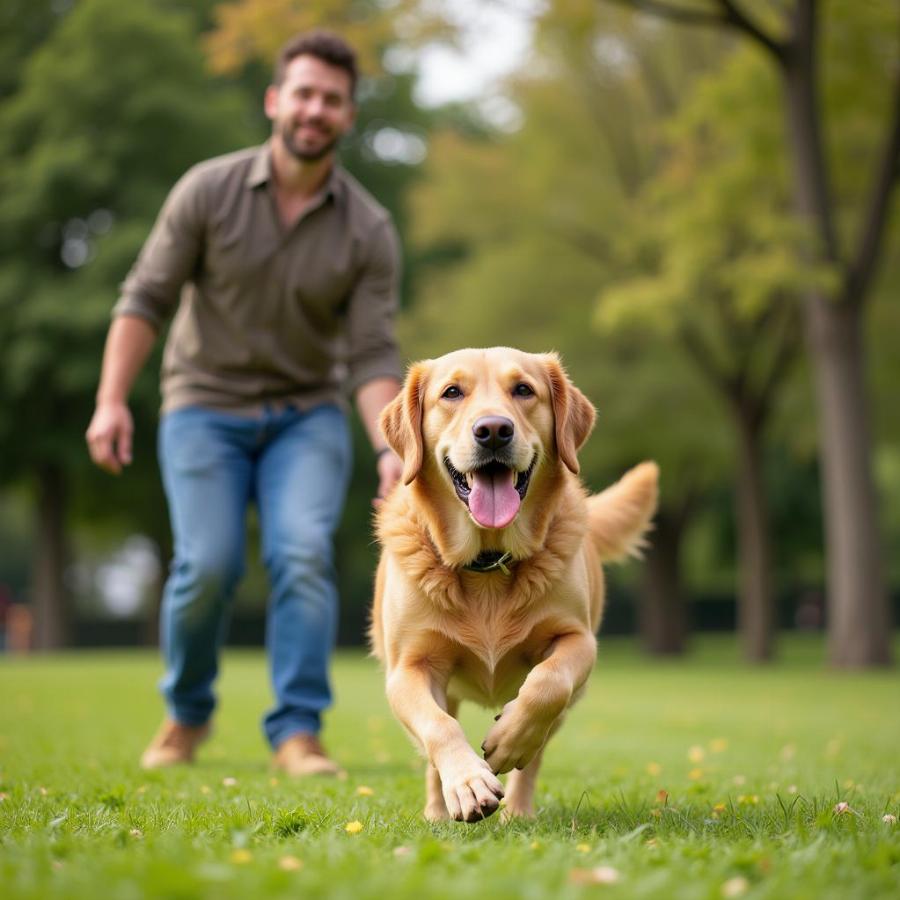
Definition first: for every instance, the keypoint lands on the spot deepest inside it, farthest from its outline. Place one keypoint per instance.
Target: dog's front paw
(515, 738)
(471, 790)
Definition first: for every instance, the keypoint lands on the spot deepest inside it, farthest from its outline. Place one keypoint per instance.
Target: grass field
(695, 779)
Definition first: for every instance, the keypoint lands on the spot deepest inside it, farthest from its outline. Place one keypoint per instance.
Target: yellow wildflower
(735, 887)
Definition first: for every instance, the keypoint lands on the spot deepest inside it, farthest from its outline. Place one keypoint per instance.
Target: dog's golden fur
(519, 637)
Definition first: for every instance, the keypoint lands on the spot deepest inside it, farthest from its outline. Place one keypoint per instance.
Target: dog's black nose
(493, 432)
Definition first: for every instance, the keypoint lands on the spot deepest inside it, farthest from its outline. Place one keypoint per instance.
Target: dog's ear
(401, 422)
(573, 413)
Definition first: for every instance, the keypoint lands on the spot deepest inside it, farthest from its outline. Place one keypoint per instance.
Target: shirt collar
(261, 173)
(261, 168)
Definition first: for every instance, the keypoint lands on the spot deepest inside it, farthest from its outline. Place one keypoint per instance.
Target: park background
(694, 204)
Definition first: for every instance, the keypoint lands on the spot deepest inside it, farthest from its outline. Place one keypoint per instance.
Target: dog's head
(488, 423)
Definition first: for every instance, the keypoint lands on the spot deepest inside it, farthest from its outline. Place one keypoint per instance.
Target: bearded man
(282, 273)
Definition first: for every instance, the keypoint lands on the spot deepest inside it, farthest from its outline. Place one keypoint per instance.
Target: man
(290, 273)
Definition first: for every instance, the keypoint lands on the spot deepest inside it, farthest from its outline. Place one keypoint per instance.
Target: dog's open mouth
(493, 492)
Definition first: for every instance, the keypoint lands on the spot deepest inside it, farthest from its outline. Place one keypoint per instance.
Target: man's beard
(287, 138)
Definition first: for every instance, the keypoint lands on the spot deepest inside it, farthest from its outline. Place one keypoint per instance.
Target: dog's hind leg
(520, 785)
(435, 807)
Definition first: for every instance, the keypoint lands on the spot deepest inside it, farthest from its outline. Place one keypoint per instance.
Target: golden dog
(489, 586)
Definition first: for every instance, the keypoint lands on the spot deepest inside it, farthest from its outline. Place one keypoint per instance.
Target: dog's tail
(620, 516)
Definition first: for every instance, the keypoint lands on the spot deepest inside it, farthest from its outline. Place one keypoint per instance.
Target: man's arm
(149, 294)
(371, 399)
(128, 344)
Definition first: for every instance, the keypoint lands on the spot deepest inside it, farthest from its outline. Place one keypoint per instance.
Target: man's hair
(324, 45)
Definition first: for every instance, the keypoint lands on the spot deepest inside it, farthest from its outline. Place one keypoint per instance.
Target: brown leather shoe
(303, 754)
(174, 744)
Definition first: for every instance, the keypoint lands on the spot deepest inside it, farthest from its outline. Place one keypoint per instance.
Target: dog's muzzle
(493, 491)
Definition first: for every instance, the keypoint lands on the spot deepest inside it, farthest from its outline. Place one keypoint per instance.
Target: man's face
(312, 109)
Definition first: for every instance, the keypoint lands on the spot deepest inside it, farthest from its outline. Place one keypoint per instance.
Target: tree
(857, 600)
(715, 256)
(111, 109)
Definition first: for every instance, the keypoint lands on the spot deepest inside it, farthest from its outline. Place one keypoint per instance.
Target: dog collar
(490, 561)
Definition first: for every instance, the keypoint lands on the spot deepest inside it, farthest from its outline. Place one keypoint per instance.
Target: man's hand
(128, 345)
(390, 468)
(109, 436)
(371, 399)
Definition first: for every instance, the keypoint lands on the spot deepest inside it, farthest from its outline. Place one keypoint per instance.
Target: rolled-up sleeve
(371, 341)
(169, 256)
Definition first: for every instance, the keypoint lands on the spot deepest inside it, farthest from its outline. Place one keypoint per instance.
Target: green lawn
(695, 779)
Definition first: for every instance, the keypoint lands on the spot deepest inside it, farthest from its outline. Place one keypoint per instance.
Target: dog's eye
(522, 390)
(452, 393)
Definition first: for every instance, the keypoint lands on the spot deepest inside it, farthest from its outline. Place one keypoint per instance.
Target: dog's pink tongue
(494, 500)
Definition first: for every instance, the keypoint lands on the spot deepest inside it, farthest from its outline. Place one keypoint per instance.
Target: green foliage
(24, 25)
(715, 251)
(861, 65)
(110, 110)
(752, 765)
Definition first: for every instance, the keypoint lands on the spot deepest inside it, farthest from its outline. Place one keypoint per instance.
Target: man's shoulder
(219, 169)
(363, 207)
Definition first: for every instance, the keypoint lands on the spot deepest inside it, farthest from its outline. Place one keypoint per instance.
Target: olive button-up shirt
(267, 314)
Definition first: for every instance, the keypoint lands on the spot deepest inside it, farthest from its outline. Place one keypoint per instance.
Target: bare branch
(729, 16)
(662, 97)
(862, 267)
(762, 323)
(674, 13)
(786, 354)
(618, 132)
(703, 358)
(739, 20)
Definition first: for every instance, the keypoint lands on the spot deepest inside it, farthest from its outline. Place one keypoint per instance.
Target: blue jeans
(295, 466)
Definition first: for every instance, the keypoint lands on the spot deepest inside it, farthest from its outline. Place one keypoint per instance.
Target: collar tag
(490, 562)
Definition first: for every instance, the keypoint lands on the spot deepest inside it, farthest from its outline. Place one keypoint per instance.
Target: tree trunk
(662, 614)
(48, 599)
(858, 613)
(755, 600)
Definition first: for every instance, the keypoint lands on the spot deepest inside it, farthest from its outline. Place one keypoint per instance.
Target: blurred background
(692, 201)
